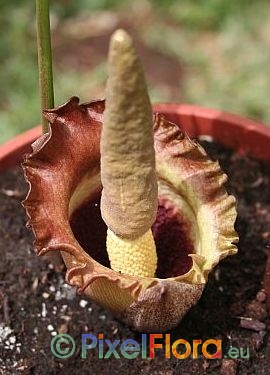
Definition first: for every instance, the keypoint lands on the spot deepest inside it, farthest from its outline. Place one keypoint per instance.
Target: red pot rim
(11, 152)
(236, 132)
(239, 133)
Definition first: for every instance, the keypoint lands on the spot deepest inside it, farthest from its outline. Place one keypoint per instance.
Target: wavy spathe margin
(64, 169)
(186, 171)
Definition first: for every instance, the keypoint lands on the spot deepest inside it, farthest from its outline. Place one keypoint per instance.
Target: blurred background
(214, 53)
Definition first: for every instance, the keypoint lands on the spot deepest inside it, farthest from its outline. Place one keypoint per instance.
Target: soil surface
(36, 304)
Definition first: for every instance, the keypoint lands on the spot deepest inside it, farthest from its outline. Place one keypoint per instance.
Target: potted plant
(79, 183)
(183, 181)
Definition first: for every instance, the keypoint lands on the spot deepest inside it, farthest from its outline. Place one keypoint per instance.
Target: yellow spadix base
(135, 257)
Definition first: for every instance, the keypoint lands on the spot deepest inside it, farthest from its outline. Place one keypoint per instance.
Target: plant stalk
(44, 58)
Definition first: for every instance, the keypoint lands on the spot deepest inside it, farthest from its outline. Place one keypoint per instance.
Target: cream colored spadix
(129, 196)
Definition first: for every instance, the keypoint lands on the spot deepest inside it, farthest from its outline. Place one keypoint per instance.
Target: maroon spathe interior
(171, 235)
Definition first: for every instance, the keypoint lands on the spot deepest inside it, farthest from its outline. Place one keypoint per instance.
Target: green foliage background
(224, 46)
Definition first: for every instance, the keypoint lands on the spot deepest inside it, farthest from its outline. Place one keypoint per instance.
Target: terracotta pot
(236, 132)
(11, 153)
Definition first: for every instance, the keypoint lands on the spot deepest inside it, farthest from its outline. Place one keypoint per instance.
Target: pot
(241, 134)
(11, 152)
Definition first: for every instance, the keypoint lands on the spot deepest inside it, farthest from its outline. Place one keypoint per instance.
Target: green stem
(44, 58)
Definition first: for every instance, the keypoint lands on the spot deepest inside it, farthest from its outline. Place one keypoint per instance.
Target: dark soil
(36, 303)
